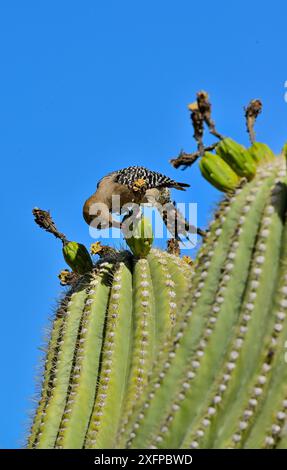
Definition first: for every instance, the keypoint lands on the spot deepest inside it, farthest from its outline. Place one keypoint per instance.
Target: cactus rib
(143, 340)
(115, 359)
(62, 369)
(49, 370)
(83, 381)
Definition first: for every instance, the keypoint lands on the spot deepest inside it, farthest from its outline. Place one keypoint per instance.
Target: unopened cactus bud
(237, 157)
(77, 257)
(261, 152)
(140, 242)
(218, 172)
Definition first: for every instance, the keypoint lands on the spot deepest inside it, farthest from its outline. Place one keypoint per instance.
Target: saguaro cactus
(149, 351)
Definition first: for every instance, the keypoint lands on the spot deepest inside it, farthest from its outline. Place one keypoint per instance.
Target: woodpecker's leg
(193, 229)
(188, 227)
(181, 225)
(200, 232)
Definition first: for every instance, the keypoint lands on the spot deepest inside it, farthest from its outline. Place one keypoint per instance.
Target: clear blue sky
(89, 87)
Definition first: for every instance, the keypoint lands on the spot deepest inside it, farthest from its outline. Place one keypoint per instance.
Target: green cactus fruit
(217, 172)
(237, 157)
(77, 257)
(141, 239)
(261, 153)
(155, 353)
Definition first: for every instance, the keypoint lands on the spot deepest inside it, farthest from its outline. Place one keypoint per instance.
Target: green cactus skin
(148, 352)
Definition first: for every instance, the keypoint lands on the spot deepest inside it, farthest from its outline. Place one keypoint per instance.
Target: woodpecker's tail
(180, 186)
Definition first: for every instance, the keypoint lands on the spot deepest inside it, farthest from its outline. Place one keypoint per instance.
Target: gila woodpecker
(137, 185)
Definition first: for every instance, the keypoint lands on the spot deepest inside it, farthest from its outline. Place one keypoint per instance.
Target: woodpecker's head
(86, 210)
(96, 212)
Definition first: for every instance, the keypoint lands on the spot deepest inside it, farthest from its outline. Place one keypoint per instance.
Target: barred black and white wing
(128, 176)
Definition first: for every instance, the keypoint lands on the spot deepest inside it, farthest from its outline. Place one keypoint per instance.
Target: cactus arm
(83, 381)
(115, 360)
(263, 284)
(62, 369)
(160, 392)
(228, 390)
(188, 399)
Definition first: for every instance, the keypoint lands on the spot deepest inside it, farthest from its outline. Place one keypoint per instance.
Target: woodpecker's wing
(128, 176)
